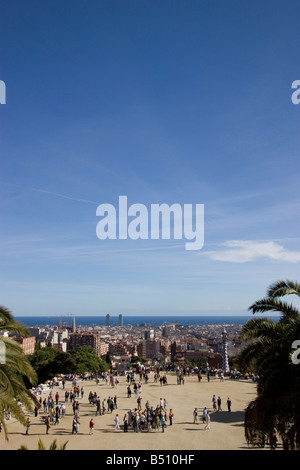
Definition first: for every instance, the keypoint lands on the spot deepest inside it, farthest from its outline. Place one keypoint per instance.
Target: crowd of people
(147, 418)
(141, 417)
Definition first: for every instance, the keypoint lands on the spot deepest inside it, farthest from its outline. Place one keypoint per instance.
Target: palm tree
(14, 396)
(41, 446)
(269, 352)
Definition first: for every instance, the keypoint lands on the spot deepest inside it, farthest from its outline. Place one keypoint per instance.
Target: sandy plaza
(226, 430)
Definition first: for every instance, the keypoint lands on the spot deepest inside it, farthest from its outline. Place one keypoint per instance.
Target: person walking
(207, 421)
(117, 424)
(204, 413)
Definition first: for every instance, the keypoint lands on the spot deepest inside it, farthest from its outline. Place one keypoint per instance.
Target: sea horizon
(138, 320)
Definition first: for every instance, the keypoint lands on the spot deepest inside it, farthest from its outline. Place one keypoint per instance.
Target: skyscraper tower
(225, 353)
(74, 325)
(107, 319)
(120, 320)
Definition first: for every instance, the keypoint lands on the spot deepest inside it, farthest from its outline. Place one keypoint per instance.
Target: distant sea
(138, 320)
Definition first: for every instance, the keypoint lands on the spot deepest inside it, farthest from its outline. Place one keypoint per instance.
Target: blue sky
(183, 102)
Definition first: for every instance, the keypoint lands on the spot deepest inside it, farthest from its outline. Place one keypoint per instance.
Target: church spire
(225, 353)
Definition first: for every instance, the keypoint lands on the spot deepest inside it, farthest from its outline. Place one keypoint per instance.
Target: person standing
(47, 422)
(91, 426)
(74, 426)
(125, 422)
(98, 407)
(195, 414)
(27, 425)
(139, 403)
(171, 416)
(163, 423)
(219, 404)
(214, 402)
(228, 404)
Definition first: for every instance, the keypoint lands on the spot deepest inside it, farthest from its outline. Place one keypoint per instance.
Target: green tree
(49, 362)
(269, 354)
(135, 359)
(14, 369)
(85, 359)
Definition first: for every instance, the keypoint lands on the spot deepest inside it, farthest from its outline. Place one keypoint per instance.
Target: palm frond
(282, 288)
(273, 305)
(7, 323)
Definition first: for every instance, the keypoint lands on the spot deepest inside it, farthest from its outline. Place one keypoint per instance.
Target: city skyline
(161, 102)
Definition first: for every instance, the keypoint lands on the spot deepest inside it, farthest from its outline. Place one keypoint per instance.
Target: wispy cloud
(50, 193)
(64, 196)
(243, 251)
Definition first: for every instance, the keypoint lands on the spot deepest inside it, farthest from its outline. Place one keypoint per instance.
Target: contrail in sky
(51, 193)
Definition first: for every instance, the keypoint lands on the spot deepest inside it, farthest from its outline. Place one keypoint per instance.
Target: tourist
(91, 426)
(171, 416)
(98, 407)
(163, 423)
(75, 425)
(229, 404)
(273, 439)
(207, 421)
(47, 422)
(214, 402)
(27, 425)
(125, 423)
(139, 403)
(195, 414)
(204, 413)
(117, 424)
(135, 422)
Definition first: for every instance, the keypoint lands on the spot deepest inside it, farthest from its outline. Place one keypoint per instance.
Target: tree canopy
(49, 362)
